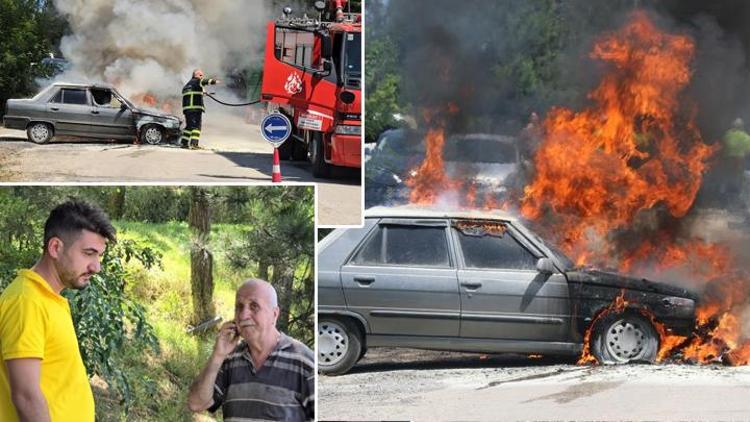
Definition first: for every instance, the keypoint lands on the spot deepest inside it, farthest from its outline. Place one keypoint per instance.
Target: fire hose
(230, 104)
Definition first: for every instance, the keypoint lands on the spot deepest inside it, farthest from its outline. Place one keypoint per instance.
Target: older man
(43, 377)
(267, 376)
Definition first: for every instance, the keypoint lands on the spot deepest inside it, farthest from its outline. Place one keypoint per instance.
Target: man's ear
(55, 247)
(276, 312)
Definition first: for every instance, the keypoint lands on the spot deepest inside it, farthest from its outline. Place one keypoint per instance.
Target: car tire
(40, 133)
(152, 135)
(624, 337)
(339, 345)
(317, 157)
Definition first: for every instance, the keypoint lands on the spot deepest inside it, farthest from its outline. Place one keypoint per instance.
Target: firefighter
(193, 109)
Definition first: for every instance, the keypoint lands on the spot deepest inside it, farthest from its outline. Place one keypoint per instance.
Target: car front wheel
(624, 337)
(39, 133)
(152, 135)
(339, 345)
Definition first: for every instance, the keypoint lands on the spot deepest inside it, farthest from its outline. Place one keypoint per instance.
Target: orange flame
(429, 180)
(631, 151)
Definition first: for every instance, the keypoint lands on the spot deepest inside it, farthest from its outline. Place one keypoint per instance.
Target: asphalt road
(404, 384)
(233, 153)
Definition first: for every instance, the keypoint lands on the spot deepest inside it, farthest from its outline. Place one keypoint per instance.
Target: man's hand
(25, 392)
(200, 397)
(226, 340)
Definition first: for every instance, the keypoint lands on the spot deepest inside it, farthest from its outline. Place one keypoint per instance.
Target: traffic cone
(276, 176)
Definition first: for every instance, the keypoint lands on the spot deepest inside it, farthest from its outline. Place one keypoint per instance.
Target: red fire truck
(313, 74)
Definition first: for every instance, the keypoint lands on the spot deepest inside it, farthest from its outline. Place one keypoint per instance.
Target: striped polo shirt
(283, 389)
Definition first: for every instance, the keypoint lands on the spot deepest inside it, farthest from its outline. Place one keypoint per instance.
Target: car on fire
(477, 281)
(490, 162)
(87, 111)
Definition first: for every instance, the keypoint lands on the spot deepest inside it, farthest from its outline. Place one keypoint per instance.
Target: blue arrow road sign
(276, 128)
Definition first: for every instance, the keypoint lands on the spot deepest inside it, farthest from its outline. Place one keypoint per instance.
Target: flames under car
(88, 111)
(480, 282)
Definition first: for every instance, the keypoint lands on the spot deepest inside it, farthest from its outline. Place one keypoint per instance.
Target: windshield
(353, 60)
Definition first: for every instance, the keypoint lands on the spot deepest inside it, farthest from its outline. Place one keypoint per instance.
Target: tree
(280, 245)
(29, 30)
(201, 259)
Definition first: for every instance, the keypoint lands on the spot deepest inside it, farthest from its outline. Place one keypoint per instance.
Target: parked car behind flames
(489, 162)
(477, 282)
(87, 111)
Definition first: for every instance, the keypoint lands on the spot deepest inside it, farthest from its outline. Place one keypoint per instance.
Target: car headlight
(348, 130)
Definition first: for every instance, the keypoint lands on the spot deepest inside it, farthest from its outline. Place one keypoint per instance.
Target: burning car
(87, 111)
(477, 281)
(485, 162)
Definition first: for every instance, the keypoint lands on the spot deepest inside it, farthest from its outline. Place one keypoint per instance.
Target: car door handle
(364, 281)
(94, 111)
(54, 108)
(471, 285)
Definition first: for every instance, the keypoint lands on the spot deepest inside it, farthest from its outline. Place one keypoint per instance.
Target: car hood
(154, 113)
(611, 279)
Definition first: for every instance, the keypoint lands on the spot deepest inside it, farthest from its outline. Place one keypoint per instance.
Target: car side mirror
(123, 107)
(545, 266)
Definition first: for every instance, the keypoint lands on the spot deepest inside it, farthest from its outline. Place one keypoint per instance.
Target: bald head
(265, 288)
(198, 73)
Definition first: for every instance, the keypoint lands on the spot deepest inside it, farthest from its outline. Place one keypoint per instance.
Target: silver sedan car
(87, 111)
(479, 282)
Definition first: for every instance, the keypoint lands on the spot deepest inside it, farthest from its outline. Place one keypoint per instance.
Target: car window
(405, 245)
(104, 98)
(71, 96)
(371, 252)
(491, 246)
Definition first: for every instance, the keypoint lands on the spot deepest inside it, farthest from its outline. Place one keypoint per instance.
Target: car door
(503, 295)
(402, 279)
(110, 118)
(71, 111)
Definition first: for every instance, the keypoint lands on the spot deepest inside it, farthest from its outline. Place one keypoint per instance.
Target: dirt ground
(233, 152)
(406, 384)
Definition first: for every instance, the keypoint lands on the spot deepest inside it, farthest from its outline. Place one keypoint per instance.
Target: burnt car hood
(611, 279)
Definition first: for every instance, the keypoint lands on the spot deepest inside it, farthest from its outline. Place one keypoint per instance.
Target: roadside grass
(161, 382)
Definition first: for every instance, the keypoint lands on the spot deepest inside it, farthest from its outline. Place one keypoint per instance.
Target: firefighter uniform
(193, 109)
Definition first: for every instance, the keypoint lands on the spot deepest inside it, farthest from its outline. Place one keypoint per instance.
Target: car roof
(79, 85)
(414, 211)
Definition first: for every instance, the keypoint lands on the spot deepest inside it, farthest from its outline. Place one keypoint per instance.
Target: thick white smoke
(152, 46)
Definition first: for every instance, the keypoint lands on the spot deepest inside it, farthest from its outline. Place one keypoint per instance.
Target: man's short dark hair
(74, 216)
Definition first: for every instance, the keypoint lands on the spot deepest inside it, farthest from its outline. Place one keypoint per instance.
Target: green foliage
(106, 317)
(280, 245)
(29, 29)
(383, 81)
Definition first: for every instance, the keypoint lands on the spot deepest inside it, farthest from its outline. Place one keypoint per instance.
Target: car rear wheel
(39, 133)
(339, 345)
(624, 337)
(317, 156)
(152, 135)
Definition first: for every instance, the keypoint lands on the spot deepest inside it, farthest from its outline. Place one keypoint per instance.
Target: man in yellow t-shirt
(42, 377)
